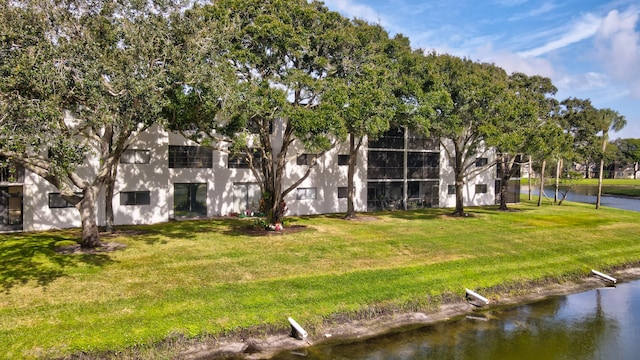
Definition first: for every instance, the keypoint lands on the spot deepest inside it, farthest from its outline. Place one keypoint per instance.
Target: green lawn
(212, 277)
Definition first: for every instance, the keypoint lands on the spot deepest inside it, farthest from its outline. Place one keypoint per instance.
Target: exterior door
(190, 200)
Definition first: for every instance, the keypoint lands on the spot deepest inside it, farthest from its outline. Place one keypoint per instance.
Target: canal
(587, 194)
(596, 324)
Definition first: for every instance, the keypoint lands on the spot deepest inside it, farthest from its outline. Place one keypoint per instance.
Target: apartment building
(164, 176)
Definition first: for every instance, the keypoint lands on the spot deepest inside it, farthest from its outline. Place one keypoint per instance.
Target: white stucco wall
(478, 176)
(157, 178)
(326, 177)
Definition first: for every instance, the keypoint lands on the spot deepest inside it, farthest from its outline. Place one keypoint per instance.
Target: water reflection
(598, 324)
(587, 194)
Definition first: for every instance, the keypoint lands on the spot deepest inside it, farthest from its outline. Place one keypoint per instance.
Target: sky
(589, 49)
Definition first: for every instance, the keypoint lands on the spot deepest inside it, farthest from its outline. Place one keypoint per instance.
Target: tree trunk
(504, 176)
(353, 157)
(586, 172)
(503, 193)
(530, 171)
(557, 185)
(604, 148)
(110, 189)
(87, 208)
(544, 164)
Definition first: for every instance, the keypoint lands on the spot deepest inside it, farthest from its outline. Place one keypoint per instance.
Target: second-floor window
(305, 159)
(190, 157)
(483, 161)
(135, 156)
(239, 161)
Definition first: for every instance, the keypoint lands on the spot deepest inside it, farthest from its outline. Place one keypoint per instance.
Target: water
(597, 324)
(587, 194)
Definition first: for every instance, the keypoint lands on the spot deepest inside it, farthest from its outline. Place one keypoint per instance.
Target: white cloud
(537, 11)
(580, 30)
(353, 10)
(511, 62)
(584, 82)
(617, 44)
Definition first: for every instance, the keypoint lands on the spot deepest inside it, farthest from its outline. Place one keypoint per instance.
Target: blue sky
(590, 49)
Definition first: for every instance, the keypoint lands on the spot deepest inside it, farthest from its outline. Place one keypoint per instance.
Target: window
(481, 188)
(305, 159)
(343, 160)
(422, 165)
(392, 139)
(343, 192)
(451, 189)
(385, 165)
(418, 141)
(190, 157)
(56, 201)
(306, 193)
(135, 156)
(135, 198)
(239, 161)
(481, 162)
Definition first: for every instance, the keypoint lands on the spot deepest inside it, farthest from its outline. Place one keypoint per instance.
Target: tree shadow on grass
(422, 214)
(33, 257)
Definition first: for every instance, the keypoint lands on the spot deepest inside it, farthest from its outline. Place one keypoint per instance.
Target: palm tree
(607, 120)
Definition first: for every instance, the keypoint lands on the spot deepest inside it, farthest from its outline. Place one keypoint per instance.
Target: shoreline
(266, 346)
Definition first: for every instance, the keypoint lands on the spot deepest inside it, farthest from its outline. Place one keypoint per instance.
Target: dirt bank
(265, 347)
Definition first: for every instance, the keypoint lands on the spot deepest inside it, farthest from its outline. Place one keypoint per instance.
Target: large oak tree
(281, 53)
(80, 80)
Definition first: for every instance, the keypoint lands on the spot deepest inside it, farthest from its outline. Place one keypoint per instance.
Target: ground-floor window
(135, 198)
(11, 207)
(190, 199)
(56, 201)
(246, 197)
(306, 193)
(423, 194)
(390, 195)
(384, 195)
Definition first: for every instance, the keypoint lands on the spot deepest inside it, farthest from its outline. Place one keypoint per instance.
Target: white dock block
(477, 296)
(296, 330)
(604, 276)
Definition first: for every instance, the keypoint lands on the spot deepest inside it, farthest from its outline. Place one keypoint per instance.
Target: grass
(212, 277)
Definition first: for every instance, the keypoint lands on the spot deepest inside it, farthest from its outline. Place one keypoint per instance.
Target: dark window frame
(140, 198)
(190, 157)
(343, 159)
(56, 199)
(451, 189)
(239, 161)
(481, 189)
(482, 161)
(305, 159)
(343, 192)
